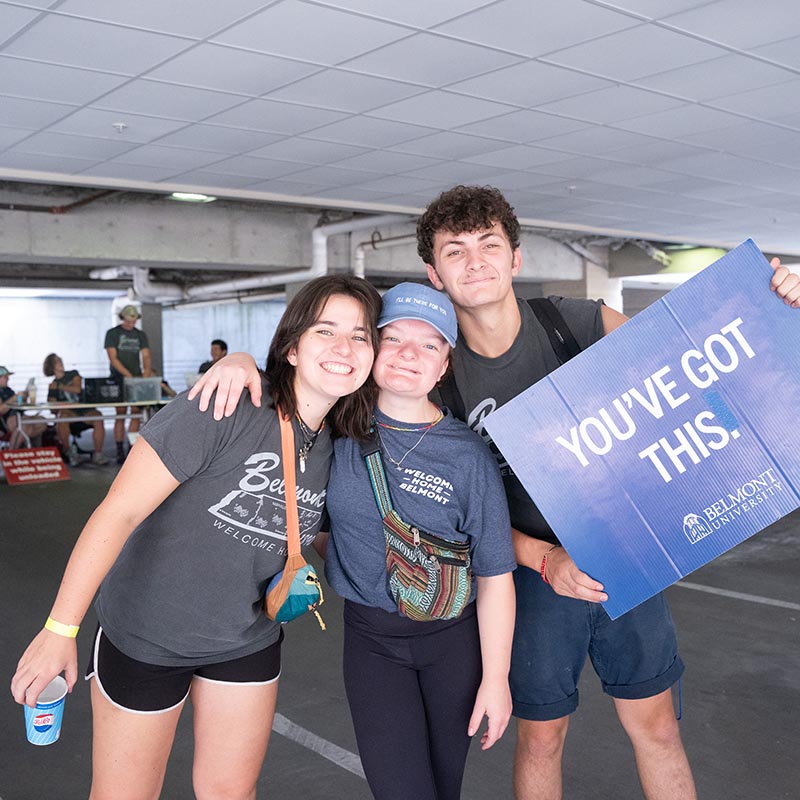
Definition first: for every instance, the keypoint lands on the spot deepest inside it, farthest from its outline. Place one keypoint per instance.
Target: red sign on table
(33, 465)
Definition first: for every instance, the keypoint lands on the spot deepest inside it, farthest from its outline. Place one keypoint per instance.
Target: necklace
(413, 447)
(309, 438)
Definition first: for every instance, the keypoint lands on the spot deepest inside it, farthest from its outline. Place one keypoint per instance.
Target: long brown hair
(352, 414)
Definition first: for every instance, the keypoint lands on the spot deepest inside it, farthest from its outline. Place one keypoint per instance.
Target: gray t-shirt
(486, 384)
(448, 485)
(188, 587)
(128, 345)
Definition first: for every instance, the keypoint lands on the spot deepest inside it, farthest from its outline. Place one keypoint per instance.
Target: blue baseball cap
(416, 301)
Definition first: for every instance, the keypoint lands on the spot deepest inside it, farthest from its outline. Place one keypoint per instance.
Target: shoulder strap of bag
(371, 451)
(451, 397)
(290, 485)
(562, 341)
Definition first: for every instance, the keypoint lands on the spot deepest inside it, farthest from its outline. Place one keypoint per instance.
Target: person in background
(129, 357)
(180, 601)
(66, 388)
(10, 416)
(219, 349)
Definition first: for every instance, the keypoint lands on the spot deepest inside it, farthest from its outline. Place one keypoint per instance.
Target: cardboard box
(102, 390)
(672, 439)
(140, 390)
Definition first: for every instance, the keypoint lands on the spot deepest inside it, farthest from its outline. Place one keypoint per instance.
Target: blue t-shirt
(448, 485)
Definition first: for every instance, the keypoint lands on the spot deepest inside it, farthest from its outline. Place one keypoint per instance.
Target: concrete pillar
(151, 325)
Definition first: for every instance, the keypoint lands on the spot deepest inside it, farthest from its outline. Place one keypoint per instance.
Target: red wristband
(544, 564)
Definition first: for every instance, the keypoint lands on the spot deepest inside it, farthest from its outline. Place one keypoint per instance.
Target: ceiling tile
(13, 19)
(519, 157)
(183, 17)
(524, 126)
(219, 138)
(31, 113)
(309, 151)
(286, 187)
(521, 26)
(38, 81)
(655, 9)
(228, 69)
(597, 140)
(354, 194)
(81, 43)
(99, 123)
(387, 162)
(399, 184)
(746, 136)
(253, 167)
(202, 180)
(369, 131)
(739, 23)
(419, 13)
(787, 51)
(167, 100)
(448, 144)
(330, 176)
(55, 144)
(430, 60)
(454, 172)
(653, 151)
(440, 109)
(682, 121)
(37, 162)
(131, 172)
(271, 115)
(153, 155)
(10, 136)
(301, 30)
(345, 91)
(630, 54)
(769, 102)
(716, 78)
(612, 105)
(530, 84)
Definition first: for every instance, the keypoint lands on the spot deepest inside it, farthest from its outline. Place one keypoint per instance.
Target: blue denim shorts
(635, 656)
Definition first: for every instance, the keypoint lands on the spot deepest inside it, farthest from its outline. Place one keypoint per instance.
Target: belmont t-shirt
(188, 587)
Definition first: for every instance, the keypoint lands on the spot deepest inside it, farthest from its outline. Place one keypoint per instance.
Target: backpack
(564, 345)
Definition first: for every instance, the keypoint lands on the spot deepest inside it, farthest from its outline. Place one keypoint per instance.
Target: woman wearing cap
(419, 690)
(182, 549)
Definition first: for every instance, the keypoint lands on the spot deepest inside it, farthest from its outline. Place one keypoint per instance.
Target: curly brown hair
(464, 209)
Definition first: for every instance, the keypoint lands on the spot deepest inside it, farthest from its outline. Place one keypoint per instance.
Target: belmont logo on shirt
(259, 502)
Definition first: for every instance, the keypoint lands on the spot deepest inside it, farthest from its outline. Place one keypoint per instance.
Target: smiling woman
(180, 598)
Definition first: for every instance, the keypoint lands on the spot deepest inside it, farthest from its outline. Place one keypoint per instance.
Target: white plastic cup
(43, 723)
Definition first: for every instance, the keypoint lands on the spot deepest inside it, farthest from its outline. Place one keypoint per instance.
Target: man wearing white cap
(129, 357)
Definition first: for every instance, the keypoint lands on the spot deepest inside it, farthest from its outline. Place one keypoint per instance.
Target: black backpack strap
(451, 397)
(562, 341)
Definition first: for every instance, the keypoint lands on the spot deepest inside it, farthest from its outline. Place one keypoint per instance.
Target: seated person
(219, 349)
(66, 388)
(10, 416)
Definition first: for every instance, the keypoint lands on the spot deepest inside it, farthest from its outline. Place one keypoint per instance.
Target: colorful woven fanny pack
(428, 577)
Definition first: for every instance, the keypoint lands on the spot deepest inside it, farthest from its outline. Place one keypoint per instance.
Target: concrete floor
(741, 691)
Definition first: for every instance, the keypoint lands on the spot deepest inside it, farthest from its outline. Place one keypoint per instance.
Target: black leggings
(411, 688)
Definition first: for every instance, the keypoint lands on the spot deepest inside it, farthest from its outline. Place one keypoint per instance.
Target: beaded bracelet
(544, 563)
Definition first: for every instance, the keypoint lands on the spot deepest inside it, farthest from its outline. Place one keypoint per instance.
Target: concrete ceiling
(671, 120)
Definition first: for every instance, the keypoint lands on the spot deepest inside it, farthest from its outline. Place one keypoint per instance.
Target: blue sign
(673, 438)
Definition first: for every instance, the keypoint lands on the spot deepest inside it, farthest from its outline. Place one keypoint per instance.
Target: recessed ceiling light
(192, 197)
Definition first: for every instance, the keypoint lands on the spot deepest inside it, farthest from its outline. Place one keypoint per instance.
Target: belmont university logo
(731, 506)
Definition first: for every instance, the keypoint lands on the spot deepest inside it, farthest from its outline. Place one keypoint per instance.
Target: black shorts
(152, 689)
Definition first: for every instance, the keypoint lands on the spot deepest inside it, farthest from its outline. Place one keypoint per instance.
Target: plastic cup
(43, 723)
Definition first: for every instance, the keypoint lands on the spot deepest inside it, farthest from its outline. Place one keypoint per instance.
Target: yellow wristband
(70, 631)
